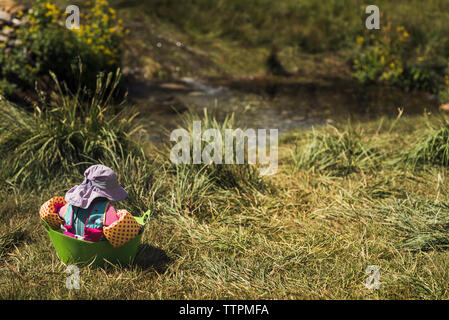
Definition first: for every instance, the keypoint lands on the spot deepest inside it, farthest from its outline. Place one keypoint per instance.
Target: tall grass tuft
(192, 192)
(244, 177)
(432, 148)
(144, 179)
(338, 152)
(68, 131)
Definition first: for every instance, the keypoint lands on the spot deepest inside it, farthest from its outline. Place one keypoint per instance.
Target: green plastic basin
(75, 251)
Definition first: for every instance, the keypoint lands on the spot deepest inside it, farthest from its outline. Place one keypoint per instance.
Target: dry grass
(311, 237)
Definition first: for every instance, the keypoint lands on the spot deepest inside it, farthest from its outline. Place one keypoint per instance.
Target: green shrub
(381, 57)
(390, 57)
(45, 44)
(443, 93)
(6, 88)
(420, 76)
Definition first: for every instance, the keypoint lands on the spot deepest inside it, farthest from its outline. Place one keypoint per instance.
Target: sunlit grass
(339, 152)
(312, 238)
(432, 146)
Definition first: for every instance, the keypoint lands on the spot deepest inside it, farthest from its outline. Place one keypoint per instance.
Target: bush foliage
(390, 57)
(45, 44)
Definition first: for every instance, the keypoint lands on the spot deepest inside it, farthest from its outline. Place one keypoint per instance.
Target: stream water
(270, 103)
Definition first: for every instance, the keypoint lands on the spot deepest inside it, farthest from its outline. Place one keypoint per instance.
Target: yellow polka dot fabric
(49, 212)
(123, 230)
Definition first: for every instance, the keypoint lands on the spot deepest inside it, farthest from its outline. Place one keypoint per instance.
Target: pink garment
(111, 214)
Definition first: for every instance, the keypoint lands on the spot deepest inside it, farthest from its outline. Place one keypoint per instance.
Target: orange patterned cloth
(123, 230)
(49, 212)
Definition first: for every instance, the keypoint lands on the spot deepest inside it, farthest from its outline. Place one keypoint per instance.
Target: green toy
(74, 251)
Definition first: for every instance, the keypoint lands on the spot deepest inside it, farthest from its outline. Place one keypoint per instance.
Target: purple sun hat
(100, 181)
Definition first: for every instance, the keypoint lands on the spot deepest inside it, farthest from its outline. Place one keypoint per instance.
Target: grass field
(344, 198)
(307, 232)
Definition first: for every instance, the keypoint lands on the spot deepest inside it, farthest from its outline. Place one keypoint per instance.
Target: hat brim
(116, 194)
(82, 197)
